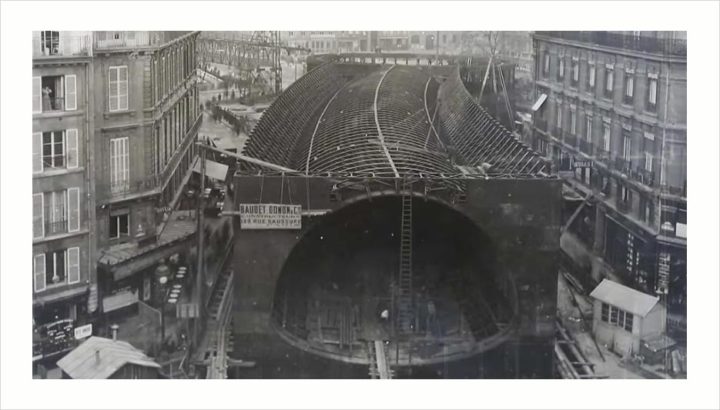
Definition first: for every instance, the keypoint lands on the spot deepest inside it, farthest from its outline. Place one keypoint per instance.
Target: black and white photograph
(247, 205)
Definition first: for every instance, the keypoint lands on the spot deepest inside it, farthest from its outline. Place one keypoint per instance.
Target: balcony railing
(121, 39)
(65, 45)
(56, 228)
(642, 43)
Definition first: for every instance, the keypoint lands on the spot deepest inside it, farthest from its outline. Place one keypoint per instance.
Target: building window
(558, 122)
(629, 86)
(615, 316)
(648, 162)
(591, 76)
(119, 224)
(625, 194)
(54, 93)
(56, 268)
(56, 212)
(605, 313)
(50, 42)
(573, 120)
(609, 81)
(588, 128)
(627, 146)
(119, 165)
(118, 88)
(575, 72)
(53, 149)
(606, 136)
(546, 63)
(652, 92)
(561, 68)
(647, 208)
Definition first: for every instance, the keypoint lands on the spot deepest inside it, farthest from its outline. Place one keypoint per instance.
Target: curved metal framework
(383, 125)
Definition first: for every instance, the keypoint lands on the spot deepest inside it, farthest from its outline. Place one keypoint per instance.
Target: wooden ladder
(405, 316)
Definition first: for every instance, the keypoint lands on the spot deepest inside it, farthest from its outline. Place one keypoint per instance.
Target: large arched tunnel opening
(339, 279)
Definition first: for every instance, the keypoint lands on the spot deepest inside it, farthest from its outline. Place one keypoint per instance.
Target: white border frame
(700, 19)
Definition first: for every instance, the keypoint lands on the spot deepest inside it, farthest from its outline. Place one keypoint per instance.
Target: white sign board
(270, 216)
(83, 331)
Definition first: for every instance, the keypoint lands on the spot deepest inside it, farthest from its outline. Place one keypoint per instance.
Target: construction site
(387, 225)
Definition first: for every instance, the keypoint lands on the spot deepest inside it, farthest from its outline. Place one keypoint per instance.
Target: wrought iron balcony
(642, 43)
(56, 228)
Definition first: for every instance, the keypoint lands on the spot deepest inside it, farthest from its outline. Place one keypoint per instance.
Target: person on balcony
(46, 99)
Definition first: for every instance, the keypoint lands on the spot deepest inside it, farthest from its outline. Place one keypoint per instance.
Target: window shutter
(113, 88)
(73, 209)
(73, 265)
(72, 147)
(37, 152)
(122, 88)
(37, 95)
(38, 216)
(70, 93)
(39, 272)
(125, 160)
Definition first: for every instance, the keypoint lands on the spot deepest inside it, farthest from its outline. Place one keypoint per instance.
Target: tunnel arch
(361, 236)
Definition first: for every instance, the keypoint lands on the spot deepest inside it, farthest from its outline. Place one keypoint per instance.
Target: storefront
(54, 325)
(631, 253)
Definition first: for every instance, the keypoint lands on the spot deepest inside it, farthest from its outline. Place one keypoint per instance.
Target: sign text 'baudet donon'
(270, 216)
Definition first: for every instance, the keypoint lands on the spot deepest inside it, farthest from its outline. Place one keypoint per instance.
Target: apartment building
(64, 275)
(610, 110)
(146, 121)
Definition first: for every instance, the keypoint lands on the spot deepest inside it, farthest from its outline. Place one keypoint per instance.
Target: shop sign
(270, 216)
(582, 164)
(83, 331)
(663, 272)
(630, 260)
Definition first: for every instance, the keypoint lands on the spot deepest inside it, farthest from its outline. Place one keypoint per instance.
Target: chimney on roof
(97, 357)
(114, 328)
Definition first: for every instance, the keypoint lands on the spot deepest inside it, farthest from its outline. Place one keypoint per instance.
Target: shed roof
(82, 363)
(625, 298)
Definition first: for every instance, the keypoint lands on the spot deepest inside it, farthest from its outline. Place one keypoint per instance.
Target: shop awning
(539, 102)
(119, 300)
(147, 260)
(214, 170)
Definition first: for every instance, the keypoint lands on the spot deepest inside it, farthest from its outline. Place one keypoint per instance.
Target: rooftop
(83, 362)
(625, 298)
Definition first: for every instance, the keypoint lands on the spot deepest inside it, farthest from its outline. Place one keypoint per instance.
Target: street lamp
(161, 276)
